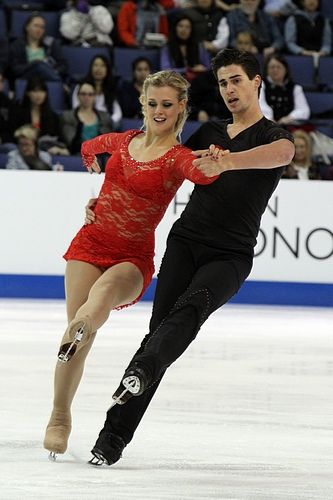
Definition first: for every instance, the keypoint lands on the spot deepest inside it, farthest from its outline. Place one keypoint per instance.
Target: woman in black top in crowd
(282, 100)
(100, 75)
(34, 109)
(183, 52)
(130, 91)
(37, 54)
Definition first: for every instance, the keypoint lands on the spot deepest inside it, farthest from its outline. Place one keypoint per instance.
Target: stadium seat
(320, 103)
(18, 4)
(326, 7)
(123, 58)
(131, 123)
(3, 160)
(325, 71)
(79, 58)
(19, 17)
(3, 23)
(189, 128)
(55, 91)
(70, 163)
(302, 70)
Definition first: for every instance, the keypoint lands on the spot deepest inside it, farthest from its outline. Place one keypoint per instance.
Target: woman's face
(162, 109)
(276, 71)
(184, 29)
(86, 96)
(36, 28)
(99, 69)
(37, 97)
(142, 70)
(301, 151)
(26, 147)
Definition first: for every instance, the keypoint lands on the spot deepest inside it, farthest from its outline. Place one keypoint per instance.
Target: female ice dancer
(110, 262)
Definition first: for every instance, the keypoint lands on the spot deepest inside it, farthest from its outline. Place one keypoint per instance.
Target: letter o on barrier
(307, 243)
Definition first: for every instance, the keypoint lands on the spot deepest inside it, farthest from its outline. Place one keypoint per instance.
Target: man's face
(236, 89)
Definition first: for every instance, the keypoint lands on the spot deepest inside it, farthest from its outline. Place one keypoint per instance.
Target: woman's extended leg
(89, 294)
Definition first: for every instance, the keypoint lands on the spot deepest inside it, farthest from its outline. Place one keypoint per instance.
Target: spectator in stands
(101, 77)
(130, 91)
(86, 25)
(37, 54)
(281, 99)
(34, 109)
(244, 41)
(307, 32)
(183, 53)
(302, 166)
(138, 17)
(27, 156)
(84, 122)
(205, 99)
(5, 105)
(279, 8)
(210, 26)
(265, 32)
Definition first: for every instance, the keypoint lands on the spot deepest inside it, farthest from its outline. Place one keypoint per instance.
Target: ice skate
(57, 433)
(108, 449)
(77, 333)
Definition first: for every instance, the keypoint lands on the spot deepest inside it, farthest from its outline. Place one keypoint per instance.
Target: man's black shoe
(108, 448)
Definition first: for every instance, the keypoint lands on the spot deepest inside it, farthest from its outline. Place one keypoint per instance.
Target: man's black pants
(194, 281)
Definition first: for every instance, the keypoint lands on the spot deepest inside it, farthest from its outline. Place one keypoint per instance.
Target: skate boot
(77, 334)
(57, 433)
(134, 382)
(108, 448)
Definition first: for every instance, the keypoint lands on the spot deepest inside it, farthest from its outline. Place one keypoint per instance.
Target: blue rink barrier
(252, 292)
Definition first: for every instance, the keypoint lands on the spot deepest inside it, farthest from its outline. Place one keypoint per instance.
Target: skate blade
(98, 460)
(52, 456)
(118, 400)
(64, 357)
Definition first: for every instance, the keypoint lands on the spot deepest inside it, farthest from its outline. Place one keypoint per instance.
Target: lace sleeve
(105, 143)
(183, 161)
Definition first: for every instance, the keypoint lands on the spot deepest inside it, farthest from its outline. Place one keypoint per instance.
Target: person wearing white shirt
(282, 100)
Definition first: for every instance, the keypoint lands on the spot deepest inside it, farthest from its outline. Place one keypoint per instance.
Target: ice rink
(246, 413)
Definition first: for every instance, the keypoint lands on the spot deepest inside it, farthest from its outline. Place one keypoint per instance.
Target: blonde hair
(171, 79)
(26, 131)
(301, 134)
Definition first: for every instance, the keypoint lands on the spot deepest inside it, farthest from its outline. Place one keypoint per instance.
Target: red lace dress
(132, 201)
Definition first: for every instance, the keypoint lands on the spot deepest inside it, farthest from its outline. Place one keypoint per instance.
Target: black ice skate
(108, 449)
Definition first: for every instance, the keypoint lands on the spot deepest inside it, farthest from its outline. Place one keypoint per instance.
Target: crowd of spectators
(185, 33)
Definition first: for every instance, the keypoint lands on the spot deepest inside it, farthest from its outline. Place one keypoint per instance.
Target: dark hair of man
(246, 60)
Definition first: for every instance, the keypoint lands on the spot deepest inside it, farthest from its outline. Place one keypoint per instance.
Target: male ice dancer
(210, 247)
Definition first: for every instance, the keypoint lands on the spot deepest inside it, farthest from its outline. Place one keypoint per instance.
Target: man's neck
(247, 118)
